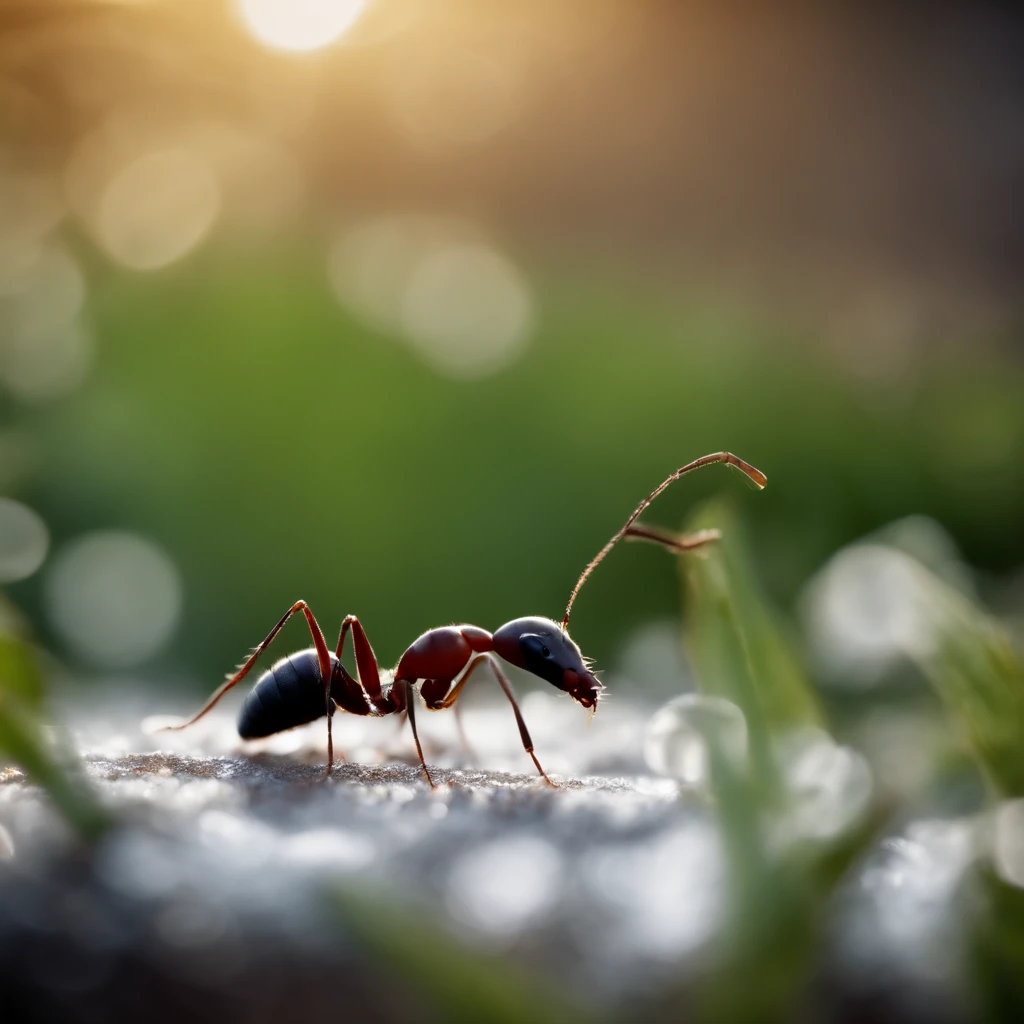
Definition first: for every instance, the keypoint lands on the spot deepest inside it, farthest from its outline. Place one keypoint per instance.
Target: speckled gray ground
(211, 900)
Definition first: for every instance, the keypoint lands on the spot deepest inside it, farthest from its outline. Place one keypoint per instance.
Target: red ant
(293, 691)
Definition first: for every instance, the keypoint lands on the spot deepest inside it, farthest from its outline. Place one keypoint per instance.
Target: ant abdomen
(289, 693)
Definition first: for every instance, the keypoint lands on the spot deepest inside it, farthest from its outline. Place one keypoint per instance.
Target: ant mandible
(308, 684)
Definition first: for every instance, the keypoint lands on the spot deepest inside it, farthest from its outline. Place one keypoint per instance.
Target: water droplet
(681, 734)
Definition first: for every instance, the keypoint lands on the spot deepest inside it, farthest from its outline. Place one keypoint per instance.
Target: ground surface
(218, 894)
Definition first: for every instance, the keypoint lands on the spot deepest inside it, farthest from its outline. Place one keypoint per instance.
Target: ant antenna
(755, 475)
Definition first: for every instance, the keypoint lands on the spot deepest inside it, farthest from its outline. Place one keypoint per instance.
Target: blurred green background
(403, 315)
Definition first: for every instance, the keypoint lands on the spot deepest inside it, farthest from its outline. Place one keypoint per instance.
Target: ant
(310, 683)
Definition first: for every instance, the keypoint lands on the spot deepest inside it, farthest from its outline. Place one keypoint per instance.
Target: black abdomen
(288, 694)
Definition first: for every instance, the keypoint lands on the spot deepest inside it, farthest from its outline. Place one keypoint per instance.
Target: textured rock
(219, 895)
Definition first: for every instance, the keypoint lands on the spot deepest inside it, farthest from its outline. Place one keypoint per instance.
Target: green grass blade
(977, 673)
(23, 742)
(738, 647)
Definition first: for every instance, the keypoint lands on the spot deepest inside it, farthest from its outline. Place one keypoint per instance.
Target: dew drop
(681, 735)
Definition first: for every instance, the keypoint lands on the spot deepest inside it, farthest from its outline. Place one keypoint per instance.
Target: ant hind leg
(323, 655)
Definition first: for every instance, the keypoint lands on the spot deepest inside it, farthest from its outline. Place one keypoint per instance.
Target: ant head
(541, 646)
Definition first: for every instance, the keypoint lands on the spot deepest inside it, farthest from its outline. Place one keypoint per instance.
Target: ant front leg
(323, 656)
(506, 687)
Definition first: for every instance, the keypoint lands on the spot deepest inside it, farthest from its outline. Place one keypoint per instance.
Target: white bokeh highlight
(467, 311)
(865, 612)
(299, 26)
(30, 209)
(1008, 842)
(46, 350)
(661, 900)
(459, 303)
(906, 920)
(157, 208)
(50, 365)
(115, 597)
(24, 541)
(499, 890)
(828, 787)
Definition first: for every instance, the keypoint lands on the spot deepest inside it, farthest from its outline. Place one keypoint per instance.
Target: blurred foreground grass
(24, 740)
(781, 893)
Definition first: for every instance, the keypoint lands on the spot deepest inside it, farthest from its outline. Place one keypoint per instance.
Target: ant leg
(677, 542)
(434, 693)
(463, 739)
(323, 656)
(506, 686)
(410, 707)
(367, 670)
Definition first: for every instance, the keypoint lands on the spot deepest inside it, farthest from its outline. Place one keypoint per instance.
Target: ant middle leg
(467, 747)
(367, 669)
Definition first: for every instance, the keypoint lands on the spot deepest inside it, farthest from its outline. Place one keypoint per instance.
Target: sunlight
(299, 25)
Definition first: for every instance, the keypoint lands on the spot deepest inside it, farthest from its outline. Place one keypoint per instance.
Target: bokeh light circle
(299, 26)
(497, 890)
(24, 541)
(436, 283)
(371, 263)
(866, 611)
(467, 310)
(115, 597)
(49, 365)
(157, 208)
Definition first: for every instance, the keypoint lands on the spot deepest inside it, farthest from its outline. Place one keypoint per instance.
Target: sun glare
(299, 25)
